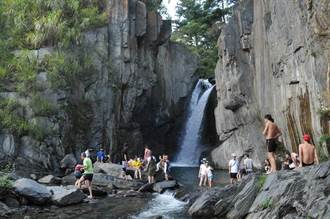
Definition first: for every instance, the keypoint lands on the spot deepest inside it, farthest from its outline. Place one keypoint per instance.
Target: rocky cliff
(136, 91)
(301, 193)
(274, 57)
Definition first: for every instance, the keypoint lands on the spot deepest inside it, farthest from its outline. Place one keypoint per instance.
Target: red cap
(307, 137)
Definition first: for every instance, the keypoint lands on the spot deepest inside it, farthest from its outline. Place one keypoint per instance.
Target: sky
(170, 4)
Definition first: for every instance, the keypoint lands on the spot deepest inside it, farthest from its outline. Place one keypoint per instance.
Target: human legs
(271, 158)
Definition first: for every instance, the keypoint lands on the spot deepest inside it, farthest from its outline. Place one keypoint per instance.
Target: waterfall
(190, 145)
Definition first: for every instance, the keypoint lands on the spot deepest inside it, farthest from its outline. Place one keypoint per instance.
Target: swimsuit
(271, 143)
(306, 165)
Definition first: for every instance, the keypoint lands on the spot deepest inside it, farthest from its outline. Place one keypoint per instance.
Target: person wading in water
(271, 132)
(307, 153)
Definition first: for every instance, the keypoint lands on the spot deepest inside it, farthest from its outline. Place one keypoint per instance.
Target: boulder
(33, 191)
(108, 168)
(4, 210)
(50, 179)
(148, 187)
(67, 195)
(68, 162)
(164, 185)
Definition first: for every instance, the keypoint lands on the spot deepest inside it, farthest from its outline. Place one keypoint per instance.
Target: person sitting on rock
(288, 163)
(87, 176)
(267, 166)
(307, 152)
(296, 160)
(271, 133)
(202, 174)
(78, 171)
(100, 156)
(233, 167)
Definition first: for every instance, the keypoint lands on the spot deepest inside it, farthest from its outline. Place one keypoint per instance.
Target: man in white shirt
(233, 169)
(248, 164)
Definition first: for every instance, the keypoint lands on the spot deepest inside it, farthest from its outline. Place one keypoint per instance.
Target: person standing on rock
(147, 153)
(248, 164)
(271, 133)
(203, 173)
(151, 169)
(233, 169)
(87, 175)
(307, 152)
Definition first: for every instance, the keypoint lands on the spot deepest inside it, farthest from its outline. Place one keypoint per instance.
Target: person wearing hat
(307, 152)
(233, 167)
(203, 173)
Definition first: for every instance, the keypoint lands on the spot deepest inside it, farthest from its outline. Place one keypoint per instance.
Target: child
(78, 170)
(209, 175)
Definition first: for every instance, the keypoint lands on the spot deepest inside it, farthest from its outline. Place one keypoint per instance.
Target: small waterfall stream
(190, 146)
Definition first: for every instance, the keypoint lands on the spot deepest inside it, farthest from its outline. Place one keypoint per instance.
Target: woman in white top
(202, 173)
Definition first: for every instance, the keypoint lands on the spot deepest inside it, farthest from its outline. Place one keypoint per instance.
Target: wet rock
(11, 202)
(33, 191)
(64, 196)
(148, 187)
(50, 179)
(164, 185)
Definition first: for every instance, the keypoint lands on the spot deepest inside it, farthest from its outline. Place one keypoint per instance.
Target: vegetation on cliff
(26, 25)
(198, 26)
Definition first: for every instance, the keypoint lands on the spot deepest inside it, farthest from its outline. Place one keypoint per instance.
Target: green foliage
(36, 23)
(5, 182)
(261, 181)
(198, 27)
(321, 148)
(42, 107)
(267, 203)
(11, 119)
(66, 66)
(324, 139)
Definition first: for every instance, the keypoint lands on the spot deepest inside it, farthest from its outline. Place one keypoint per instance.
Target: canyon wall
(274, 57)
(135, 94)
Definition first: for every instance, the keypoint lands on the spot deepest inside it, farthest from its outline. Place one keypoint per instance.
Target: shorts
(88, 177)
(233, 175)
(271, 144)
(77, 174)
(210, 178)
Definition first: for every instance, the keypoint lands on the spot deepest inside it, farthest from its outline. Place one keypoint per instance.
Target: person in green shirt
(87, 176)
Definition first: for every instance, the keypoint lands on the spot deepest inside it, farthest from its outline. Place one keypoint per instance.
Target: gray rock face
(108, 168)
(68, 162)
(286, 194)
(64, 196)
(135, 93)
(33, 191)
(4, 210)
(273, 58)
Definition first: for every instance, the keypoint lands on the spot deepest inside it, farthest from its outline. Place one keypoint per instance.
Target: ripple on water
(164, 205)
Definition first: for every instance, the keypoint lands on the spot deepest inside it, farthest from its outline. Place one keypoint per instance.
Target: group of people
(148, 164)
(237, 169)
(205, 173)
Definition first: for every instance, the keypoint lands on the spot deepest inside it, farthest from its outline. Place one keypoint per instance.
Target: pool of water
(166, 205)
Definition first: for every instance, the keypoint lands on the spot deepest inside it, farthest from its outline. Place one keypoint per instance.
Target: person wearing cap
(203, 173)
(100, 155)
(307, 152)
(233, 168)
(271, 133)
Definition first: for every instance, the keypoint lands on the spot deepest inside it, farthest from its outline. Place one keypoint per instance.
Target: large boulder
(50, 179)
(108, 168)
(33, 191)
(68, 162)
(164, 185)
(64, 196)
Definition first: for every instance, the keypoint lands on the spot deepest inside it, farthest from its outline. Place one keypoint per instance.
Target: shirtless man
(307, 153)
(271, 133)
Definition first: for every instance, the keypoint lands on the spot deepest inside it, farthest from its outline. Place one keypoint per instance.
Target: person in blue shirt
(100, 155)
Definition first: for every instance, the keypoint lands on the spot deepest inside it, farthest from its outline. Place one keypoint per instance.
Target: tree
(198, 26)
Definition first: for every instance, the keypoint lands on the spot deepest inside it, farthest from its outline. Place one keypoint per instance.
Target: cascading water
(190, 147)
